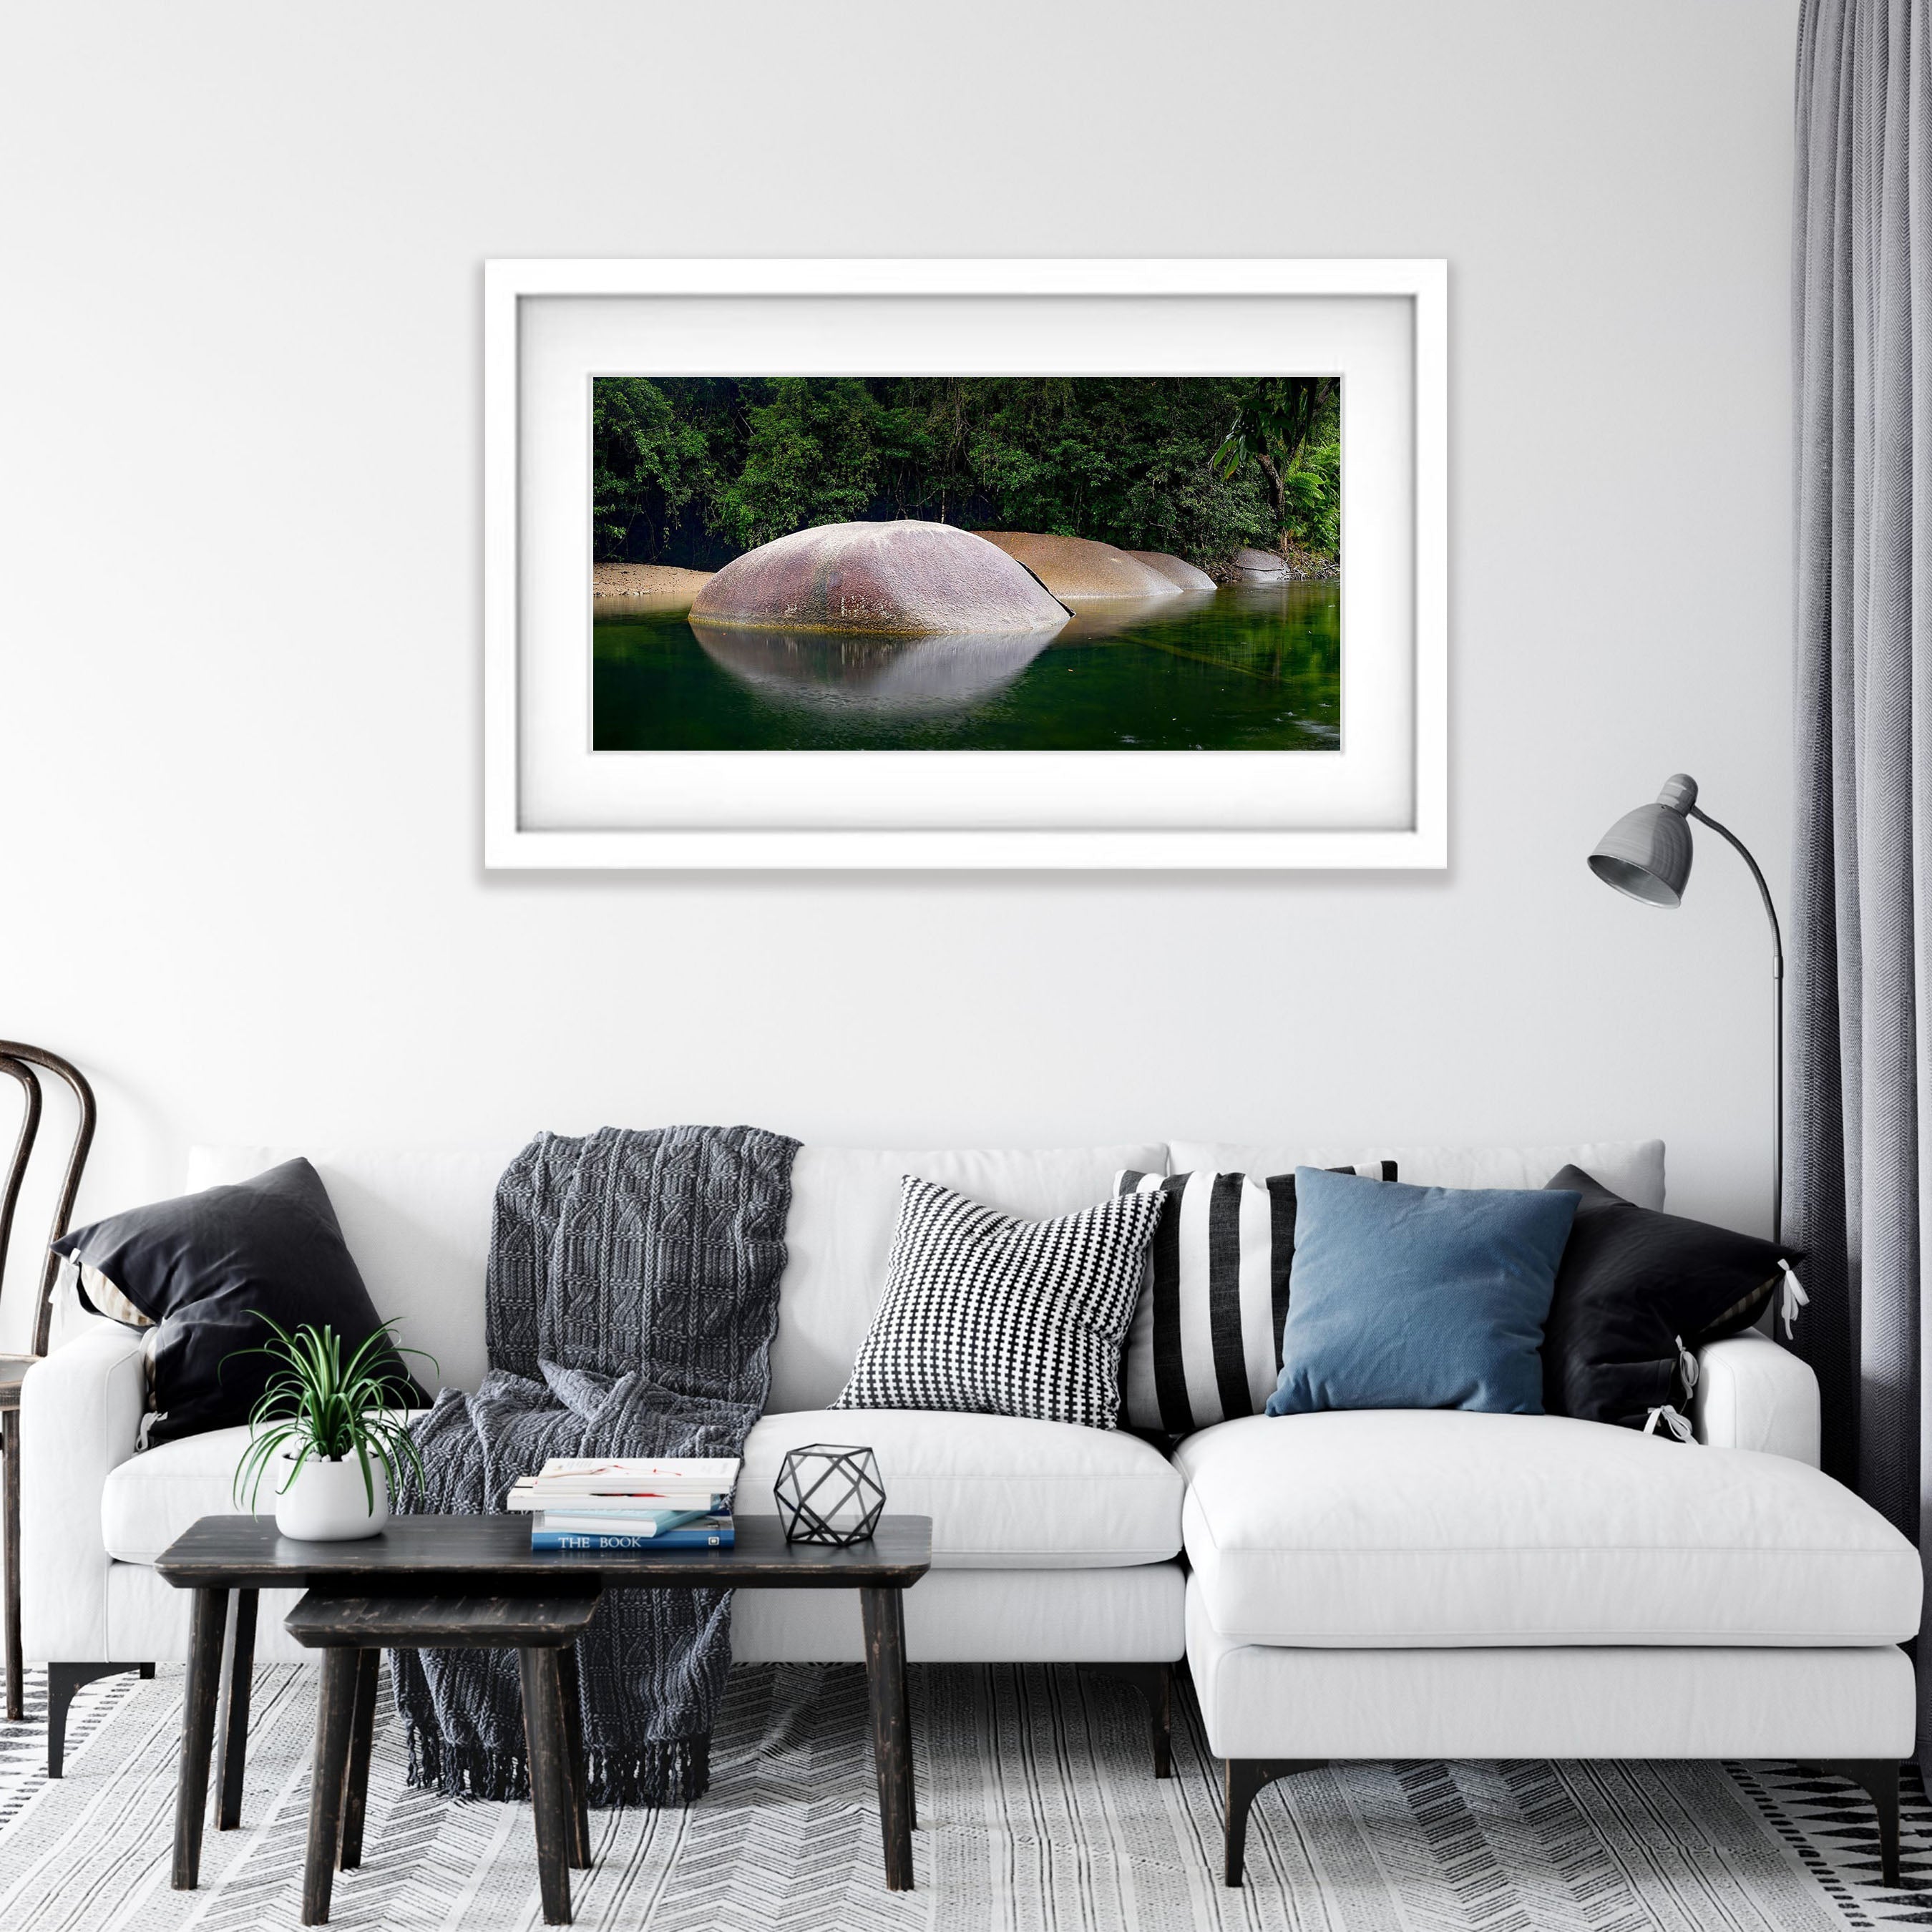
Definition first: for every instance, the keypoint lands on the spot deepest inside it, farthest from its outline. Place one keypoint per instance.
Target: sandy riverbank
(646, 580)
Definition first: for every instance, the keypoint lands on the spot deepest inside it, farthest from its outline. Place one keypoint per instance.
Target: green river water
(1229, 670)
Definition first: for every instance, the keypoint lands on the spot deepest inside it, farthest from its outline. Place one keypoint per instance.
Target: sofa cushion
(1392, 1527)
(1632, 1168)
(1003, 1493)
(152, 1498)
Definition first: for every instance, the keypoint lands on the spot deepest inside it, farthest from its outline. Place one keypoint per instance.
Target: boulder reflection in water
(906, 677)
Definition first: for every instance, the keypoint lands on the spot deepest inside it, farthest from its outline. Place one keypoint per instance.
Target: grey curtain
(1862, 1081)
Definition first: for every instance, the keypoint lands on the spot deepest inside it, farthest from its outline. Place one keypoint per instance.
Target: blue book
(723, 1538)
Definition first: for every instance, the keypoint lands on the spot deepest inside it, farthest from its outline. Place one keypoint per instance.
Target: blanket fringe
(675, 1772)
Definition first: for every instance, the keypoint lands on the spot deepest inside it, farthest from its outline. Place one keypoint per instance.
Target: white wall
(239, 560)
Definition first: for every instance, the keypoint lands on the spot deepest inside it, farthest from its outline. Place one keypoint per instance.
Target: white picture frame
(1380, 802)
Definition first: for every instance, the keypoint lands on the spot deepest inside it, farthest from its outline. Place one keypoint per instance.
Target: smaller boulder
(1180, 573)
(1260, 566)
(1079, 567)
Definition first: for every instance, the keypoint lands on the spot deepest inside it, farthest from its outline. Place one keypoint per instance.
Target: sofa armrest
(1753, 1394)
(80, 1414)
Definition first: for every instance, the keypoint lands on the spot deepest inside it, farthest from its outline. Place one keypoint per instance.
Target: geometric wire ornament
(829, 1492)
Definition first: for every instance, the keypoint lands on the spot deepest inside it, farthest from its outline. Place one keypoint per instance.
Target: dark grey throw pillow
(205, 1267)
(1639, 1291)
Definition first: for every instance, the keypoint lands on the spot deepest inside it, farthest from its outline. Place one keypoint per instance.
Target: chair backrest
(19, 1060)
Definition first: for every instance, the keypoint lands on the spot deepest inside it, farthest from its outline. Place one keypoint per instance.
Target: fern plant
(319, 1408)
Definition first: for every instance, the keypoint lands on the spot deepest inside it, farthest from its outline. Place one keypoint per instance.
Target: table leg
(206, 1630)
(549, 1781)
(361, 1739)
(882, 1610)
(238, 1684)
(334, 1718)
(10, 1444)
(572, 1694)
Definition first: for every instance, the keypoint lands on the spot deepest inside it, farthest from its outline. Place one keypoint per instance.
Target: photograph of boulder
(991, 563)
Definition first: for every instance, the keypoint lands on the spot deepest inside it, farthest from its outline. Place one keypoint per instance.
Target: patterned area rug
(1037, 1812)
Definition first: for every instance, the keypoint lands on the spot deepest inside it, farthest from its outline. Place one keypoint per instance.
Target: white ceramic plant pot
(326, 1502)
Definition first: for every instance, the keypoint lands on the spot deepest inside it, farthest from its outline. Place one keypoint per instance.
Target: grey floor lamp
(1647, 854)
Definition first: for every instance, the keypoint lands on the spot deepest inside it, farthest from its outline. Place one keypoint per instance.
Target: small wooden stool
(350, 1630)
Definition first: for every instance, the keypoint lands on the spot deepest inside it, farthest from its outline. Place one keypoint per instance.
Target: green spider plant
(324, 1408)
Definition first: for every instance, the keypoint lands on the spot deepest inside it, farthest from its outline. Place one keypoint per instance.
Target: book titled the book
(720, 1536)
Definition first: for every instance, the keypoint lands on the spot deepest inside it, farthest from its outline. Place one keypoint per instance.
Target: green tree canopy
(697, 470)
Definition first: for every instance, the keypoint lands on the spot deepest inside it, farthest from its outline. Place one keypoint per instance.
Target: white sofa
(1381, 1585)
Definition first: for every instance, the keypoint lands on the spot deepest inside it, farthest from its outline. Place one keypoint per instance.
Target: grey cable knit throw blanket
(633, 1295)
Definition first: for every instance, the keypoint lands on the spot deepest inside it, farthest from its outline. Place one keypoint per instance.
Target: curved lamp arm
(1743, 851)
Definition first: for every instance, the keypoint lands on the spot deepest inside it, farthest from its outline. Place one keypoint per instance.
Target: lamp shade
(1647, 853)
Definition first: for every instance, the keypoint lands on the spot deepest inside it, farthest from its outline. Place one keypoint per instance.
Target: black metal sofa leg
(1155, 1682)
(63, 1680)
(1243, 1780)
(1879, 1778)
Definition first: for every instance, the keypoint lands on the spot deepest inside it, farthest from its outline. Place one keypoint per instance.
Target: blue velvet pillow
(1418, 1297)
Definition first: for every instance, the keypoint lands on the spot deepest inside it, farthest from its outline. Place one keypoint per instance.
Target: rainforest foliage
(697, 470)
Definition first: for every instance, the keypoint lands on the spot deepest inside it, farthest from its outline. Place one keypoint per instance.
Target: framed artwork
(965, 564)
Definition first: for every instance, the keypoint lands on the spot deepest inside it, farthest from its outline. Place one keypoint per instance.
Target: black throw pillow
(1634, 1285)
(202, 1266)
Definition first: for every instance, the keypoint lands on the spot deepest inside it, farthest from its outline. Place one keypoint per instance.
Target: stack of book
(626, 1502)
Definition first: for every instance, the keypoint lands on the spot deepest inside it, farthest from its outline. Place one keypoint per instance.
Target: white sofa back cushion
(419, 1225)
(844, 1203)
(1632, 1168)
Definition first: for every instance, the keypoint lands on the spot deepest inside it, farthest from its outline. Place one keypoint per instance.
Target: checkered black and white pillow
(988, 1313)
(1205, 1343)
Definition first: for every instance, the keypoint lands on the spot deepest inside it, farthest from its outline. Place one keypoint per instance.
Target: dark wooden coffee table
(427, 1556)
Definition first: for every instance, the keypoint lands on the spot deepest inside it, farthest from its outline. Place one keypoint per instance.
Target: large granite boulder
(1260, 566)
(881, 580)
(1079, 567)
(1178, 572)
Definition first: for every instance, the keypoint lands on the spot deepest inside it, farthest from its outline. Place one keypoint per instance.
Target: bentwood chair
(18, 1061)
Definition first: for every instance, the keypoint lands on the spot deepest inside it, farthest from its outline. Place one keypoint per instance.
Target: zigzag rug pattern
(1037, 1814)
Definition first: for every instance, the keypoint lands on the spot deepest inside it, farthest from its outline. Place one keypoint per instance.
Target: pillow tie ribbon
(1675, 1422)
(1794, 1298)
(1688, 1368)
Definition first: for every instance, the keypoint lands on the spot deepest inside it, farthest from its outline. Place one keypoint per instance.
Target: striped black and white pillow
(1205, 1342)
(988, 1313)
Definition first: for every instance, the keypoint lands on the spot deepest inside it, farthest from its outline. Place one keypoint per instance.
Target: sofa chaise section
(1436, 1584)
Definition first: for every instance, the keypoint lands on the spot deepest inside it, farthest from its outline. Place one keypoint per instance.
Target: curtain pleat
(1857, 1195)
